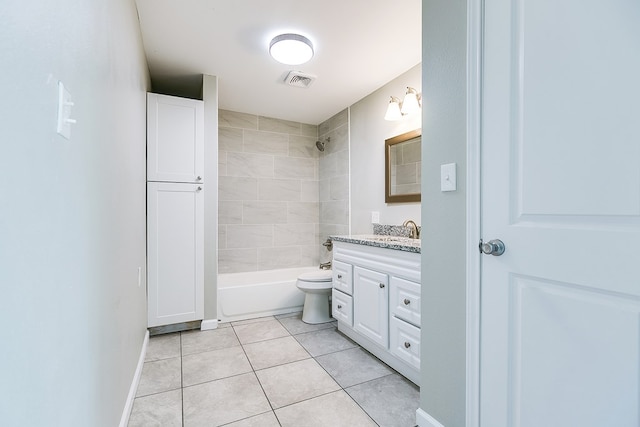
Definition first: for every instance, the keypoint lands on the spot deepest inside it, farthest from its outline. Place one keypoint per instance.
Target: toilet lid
(316, 276)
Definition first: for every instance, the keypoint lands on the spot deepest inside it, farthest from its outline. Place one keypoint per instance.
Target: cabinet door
(342, 277)
(342, 307)
(371, 305)
(175, 139)
(405, 300)
(405, 342)
(175, 253)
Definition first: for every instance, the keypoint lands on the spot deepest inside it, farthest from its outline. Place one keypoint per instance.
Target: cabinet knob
(199, 189)
(381, 285)
(339, 276)
(339, 306)
(198, 178)
(407, 344)
(407, 301)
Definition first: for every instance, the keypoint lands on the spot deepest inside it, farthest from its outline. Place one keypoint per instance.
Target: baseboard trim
(209, 324)
(425, 420)
(126, 412)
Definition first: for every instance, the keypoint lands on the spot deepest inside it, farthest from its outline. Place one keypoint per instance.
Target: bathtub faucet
(325, 265)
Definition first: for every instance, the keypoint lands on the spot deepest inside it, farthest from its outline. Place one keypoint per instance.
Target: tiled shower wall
(269, 207)
(334, 178)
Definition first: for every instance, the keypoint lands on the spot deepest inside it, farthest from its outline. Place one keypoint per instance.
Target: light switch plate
(64, 112)
(448, 177)
(375, 217)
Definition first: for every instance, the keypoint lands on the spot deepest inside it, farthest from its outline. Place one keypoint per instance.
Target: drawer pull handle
(339, 276)
(407, 344)
(339, 306)
(381, 285)
(407, 301)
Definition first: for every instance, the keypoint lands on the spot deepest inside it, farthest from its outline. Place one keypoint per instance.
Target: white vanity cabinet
(376, 300)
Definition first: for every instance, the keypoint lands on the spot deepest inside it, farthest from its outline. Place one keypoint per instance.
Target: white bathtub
(259, 293)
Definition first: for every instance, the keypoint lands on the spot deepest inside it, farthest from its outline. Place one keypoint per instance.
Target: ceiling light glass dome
(291, 49)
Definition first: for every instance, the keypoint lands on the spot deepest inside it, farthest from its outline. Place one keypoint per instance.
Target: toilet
(317, 287)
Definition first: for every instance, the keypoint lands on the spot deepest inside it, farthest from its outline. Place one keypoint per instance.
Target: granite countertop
(382, 241)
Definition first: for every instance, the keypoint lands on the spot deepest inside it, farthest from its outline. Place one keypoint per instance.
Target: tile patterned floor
(273, 371)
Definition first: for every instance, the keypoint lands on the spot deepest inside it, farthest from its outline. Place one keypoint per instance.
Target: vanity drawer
(405, 300)
(342, 277)
(405, 342)
(342, 307)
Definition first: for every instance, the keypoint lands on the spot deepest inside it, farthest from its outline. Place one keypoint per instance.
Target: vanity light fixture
(410, 104)
(291, 49)
(393, 110)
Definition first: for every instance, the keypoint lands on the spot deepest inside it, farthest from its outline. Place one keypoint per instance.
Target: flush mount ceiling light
(409, 105)
(291, 49)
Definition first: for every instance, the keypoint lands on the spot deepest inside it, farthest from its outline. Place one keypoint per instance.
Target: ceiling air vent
(299, 79)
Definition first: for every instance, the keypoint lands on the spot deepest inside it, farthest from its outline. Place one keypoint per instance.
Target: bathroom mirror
(402, 158)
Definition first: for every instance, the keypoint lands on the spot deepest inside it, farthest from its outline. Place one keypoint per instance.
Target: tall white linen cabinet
(175, 209)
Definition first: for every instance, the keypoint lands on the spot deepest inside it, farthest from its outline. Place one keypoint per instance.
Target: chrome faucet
(325, 265)
(415, 231)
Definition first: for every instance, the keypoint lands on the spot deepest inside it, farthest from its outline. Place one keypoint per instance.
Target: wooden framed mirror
(402, 157)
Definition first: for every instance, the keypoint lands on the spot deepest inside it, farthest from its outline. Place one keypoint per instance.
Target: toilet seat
(315, 280)
(316, 276)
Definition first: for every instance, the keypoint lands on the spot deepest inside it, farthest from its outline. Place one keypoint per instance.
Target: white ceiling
(359, 46)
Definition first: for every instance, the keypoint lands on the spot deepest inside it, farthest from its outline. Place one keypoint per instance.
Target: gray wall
(442, 394)
(72, 212)
(268, 193)
(369, 130)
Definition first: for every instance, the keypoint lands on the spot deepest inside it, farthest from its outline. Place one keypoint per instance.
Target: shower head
(320, 144)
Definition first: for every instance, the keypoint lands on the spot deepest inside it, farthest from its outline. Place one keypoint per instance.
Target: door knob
(493, 247)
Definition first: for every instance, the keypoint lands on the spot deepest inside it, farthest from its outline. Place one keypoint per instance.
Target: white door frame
(475, 32)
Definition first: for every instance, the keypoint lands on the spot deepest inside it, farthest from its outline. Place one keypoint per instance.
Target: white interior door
(560, 309)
